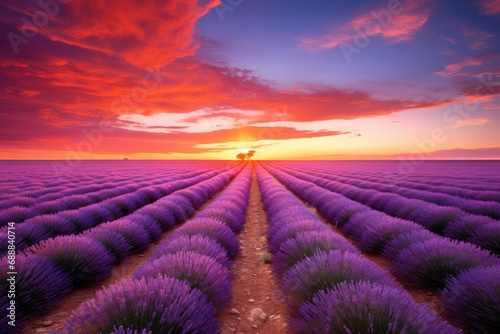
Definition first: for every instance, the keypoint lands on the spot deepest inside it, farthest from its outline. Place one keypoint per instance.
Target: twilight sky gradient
(202, 79)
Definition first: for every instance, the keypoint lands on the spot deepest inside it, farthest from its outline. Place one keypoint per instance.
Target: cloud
(469, 122)
(125, 29)
(455, 68)
(491, 7)
(124, 141)
(477, 39)
(396, 26)
(449, 39)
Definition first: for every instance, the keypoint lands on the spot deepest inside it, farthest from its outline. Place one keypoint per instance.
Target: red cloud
(455, 68)
(396, 23)
(125, 28)
(491, 7)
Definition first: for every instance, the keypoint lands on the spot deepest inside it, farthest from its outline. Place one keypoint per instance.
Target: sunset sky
(204, 79)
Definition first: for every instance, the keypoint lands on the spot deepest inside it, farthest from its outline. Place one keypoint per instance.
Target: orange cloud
(469, 122)
(393, 23)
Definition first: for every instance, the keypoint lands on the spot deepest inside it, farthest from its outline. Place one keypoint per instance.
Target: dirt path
(255, 288)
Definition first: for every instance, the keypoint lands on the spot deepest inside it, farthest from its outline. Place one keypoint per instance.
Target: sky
(206, 79)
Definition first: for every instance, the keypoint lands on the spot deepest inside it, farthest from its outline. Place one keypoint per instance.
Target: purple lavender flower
(429, 264)
(367, 308)
(306, 244)
(39, 283)
(135, 234)
(405, 240)
(160, 305)
(488, 237)
(114, 242)
(200, 244)
(229, 217)
(376, 236)
(213, 229)
(122, 330)
(200, 271)
(159, 214)
(324, 270)
(463, 228)
(281, 233)
(472, 300)
(83, 259)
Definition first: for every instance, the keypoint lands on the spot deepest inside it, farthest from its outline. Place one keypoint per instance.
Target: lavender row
(59, 202)
(49, 270)
(31, 187)
(437, 173)
(419, 257)
(448, 221)
(452, 188)
(330, 287)
(486, 208)
(31, 192)
(68, 222)
(184, 284)
(44, 194)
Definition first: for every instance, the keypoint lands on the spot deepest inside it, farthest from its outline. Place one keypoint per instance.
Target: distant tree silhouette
(246, 156)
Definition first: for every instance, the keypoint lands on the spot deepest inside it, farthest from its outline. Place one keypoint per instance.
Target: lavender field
(165, 247)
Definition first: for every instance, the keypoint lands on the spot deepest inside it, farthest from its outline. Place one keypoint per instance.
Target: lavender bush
(199, 244)
(367, 308)
(472, 300)
(160, 305)
(429, 264)
(199, 271)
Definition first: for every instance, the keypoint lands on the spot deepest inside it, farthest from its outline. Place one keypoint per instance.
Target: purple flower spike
(367, 308)
(160, 305)
(463, 229)
(325, 270)
(199, 244)
(306, 244)
(291, 230)
(162, 216)
(378, 235)
(122, 330)
(472, 300)
(429, 264)
(39, 283)
(404, 240)
(488, 237)
(114, 242)
(135, 234)
(83, 259)
(200, 271)
(213, 229)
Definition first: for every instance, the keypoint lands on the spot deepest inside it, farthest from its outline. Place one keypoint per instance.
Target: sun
(245, 150)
